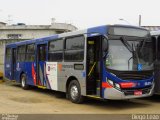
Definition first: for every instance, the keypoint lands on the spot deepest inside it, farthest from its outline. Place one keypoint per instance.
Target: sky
(81, 13)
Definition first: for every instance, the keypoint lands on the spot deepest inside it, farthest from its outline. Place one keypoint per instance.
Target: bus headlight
(110, 82)
(117, 86)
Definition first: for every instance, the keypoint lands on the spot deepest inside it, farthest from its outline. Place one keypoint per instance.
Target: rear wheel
(23, 82)
(74, 92)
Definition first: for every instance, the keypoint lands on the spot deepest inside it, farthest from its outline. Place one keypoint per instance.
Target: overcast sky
(81, 13)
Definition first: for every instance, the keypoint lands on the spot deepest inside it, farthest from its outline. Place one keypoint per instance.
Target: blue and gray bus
(105, 62)
(156, 52)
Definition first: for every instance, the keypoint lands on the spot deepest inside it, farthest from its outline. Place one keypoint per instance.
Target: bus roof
(99, 29)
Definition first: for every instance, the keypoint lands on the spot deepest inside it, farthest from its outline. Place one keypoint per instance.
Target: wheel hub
(74, 92)
(23, 82)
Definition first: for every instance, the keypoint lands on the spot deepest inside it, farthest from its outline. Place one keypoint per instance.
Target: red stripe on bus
(33, 74)
(127, 85)
(106, 85)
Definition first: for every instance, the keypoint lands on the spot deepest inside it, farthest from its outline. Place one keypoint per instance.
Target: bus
(156, 45)
(106, 62)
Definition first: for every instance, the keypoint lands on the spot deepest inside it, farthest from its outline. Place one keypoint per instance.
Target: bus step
(91, 92)
(42, 87)
(98, 91)
(98, 82)
(94, 96)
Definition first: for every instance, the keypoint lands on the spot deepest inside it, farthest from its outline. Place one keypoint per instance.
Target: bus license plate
(138, 92)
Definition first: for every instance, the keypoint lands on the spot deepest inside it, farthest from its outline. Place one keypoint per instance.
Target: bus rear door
(10, 63)
(13, 64)
(40, 65)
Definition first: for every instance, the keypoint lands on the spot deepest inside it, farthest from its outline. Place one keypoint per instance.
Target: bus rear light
(127, 85)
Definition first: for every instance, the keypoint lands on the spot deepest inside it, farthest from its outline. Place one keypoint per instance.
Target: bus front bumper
(114, 94)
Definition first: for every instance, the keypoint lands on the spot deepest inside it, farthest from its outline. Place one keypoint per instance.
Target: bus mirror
(105, 44)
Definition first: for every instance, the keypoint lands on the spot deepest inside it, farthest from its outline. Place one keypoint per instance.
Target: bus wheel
(23, 82)
(74, 92)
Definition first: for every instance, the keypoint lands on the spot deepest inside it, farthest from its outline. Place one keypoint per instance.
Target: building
(152, 28)
(21, 31)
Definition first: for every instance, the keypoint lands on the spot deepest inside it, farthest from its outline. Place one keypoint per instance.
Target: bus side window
(74, 49)
(55, 50)
(42, 54)
(30, 53)
(8, 54)
(21, 53)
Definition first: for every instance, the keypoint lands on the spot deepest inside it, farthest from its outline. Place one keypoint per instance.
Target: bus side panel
(31, 75)
(20, 68)
(58, 73)
(52, 75)
(70, 69)
(26, 68)
(7, 68)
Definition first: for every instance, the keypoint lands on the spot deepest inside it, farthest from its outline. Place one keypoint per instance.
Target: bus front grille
(132, 75)
(131, 91)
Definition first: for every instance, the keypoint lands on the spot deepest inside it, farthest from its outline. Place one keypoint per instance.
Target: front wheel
(23, 82)
(74, 92)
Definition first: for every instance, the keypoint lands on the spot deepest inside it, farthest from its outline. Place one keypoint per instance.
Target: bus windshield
(130, 55)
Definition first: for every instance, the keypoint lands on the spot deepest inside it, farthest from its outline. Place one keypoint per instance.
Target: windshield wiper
(132, 49)
(143, 44)
(127, 45)
(135, 51)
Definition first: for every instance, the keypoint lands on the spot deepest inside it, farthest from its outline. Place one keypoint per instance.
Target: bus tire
(74, 92)
(23, 82)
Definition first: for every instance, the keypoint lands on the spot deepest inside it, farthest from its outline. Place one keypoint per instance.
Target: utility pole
(139, 20)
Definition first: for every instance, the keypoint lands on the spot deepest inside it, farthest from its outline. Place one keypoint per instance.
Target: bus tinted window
(74, 49)
(75, 43)
(56, 56)
(30, 54)
(74, 55)
(8, 54)
(30, 48)
(8, 51)
(56, 45)
(21, 49)
(42, 53)
(55, 50)
(21, 53)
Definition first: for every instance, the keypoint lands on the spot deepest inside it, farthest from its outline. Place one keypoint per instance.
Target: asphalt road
(15, 100)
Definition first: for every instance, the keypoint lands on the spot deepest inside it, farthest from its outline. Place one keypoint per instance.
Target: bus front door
(93, 65)
(40, 69)
(13, 70)
(156, 47)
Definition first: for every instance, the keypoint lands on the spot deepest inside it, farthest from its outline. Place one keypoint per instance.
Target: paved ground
(1, 68)
(15, 100)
